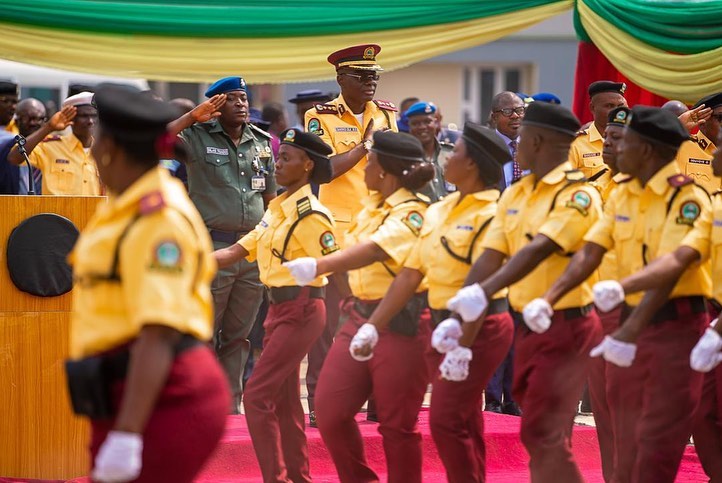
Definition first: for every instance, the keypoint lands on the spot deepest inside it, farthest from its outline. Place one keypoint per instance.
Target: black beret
(619, 116)
(658, 125)
(128, 114)
(399, 145)
(606, 86)
(9, 88)
(316, 149)
(487, 141)
(712, 100)
(551, 116)
(310, 95)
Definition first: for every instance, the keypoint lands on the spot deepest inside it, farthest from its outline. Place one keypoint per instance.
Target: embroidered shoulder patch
(328, 243)
(314, 126)
(414, 220)
(151, 203)
(679, 180)
(574, 175)
(167, 257)
(688, 213)
(580, 201)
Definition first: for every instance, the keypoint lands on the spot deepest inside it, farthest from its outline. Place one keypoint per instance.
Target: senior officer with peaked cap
(230, 180)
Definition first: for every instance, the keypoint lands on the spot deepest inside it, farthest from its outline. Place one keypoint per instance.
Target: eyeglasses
(34, 118)
(364, 78)
(519, 111)
(8, 100)
(718, 117)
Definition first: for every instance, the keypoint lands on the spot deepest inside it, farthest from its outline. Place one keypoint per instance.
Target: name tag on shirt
(512, 211)
(717, 223)
(621, 218)
(62, 161)
(346, 129)
(258, 183)
(699, 161)
(218, 151)
(465, 227)
(591, 155)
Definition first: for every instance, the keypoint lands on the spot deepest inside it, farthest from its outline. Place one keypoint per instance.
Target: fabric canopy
(670, 47)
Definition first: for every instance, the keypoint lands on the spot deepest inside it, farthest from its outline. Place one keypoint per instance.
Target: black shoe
(511, 408)
(312, 419)
(372, 416)
(493, 407)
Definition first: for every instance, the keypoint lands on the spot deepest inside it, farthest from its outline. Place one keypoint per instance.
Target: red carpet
(235, 460)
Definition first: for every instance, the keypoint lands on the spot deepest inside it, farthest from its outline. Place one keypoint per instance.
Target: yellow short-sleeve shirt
(68, 168)
(312, 236)
(642, 223)
(164, 267)
(394, 224)
(337, 125)
(557, 206)
(450, 241)
(586, 152)
(694, 159)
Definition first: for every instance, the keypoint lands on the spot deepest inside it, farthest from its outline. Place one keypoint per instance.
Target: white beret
(79, 99)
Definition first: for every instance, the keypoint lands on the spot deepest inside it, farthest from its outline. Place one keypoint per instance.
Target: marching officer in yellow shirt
(377, 244)
(540, 222)
(141, 368)
(705, 357)
(586, 152)
(695, 156)
(295, 225)
(346, 124)
(448, 243)
(650, 388)
(66, 161)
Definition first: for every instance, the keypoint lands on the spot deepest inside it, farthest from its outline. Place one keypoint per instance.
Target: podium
(40, 437)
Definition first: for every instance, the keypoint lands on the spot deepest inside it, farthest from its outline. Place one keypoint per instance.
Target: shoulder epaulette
(574, 175)
(679, 180)
(326, 109)
(423, 198)
(582, 132)
(151, 203)
(444, 144)
(303, 206)
(260, 131)
(386, 105)
(54, 137)
(625, 180)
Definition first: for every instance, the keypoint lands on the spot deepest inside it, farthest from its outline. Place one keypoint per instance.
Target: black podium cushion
(36, 255)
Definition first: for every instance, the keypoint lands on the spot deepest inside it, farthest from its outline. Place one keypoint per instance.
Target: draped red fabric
(593, 66)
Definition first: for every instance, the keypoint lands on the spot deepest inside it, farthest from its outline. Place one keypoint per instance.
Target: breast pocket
(60, 178)
(219, 169)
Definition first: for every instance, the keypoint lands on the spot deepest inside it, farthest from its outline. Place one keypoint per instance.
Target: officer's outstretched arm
(203, 112)
(662, 271)
(226, 257)
(357, 256)
(341, 163)
(653, 300)
(581, 266)
(485, 266)
(58, 122)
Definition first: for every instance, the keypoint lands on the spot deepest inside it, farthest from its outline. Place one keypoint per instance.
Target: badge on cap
(290, 135)
(688, 213)
(621, 116)
(369, 53)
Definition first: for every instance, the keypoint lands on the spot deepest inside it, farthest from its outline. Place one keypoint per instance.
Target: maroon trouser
(652, 403)
(549, 374)
(272, 399)
(598, 368)
(397, 377)
(707, 424)
(457, 423)
(187, 421)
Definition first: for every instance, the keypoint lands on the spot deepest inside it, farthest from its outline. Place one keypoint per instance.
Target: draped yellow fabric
(259, 60)
(675, 76)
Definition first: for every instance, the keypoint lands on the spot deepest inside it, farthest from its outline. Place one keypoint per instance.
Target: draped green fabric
(250, 19)
(683, 26)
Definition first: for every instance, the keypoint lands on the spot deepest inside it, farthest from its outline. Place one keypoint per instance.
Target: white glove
(455, 366)
(714, 323)
(120, 457)
(446, 335)
(706, 354)
(469, 302)
(538, 315)
(302, 269)
(608, 294)
(615, 351)
(365, 335)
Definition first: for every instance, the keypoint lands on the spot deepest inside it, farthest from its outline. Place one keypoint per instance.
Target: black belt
(278, 295)
(716, 306)
(116, 363)
(575, 312)
(366, 307)
(672, 309)
(229, 237)
(497, 306)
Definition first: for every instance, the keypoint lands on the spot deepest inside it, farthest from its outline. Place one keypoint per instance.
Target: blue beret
(227, 84)
(546, 97)
(420, 108)
(403, 123)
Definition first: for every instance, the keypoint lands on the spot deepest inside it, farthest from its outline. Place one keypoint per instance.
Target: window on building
(481, 83)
